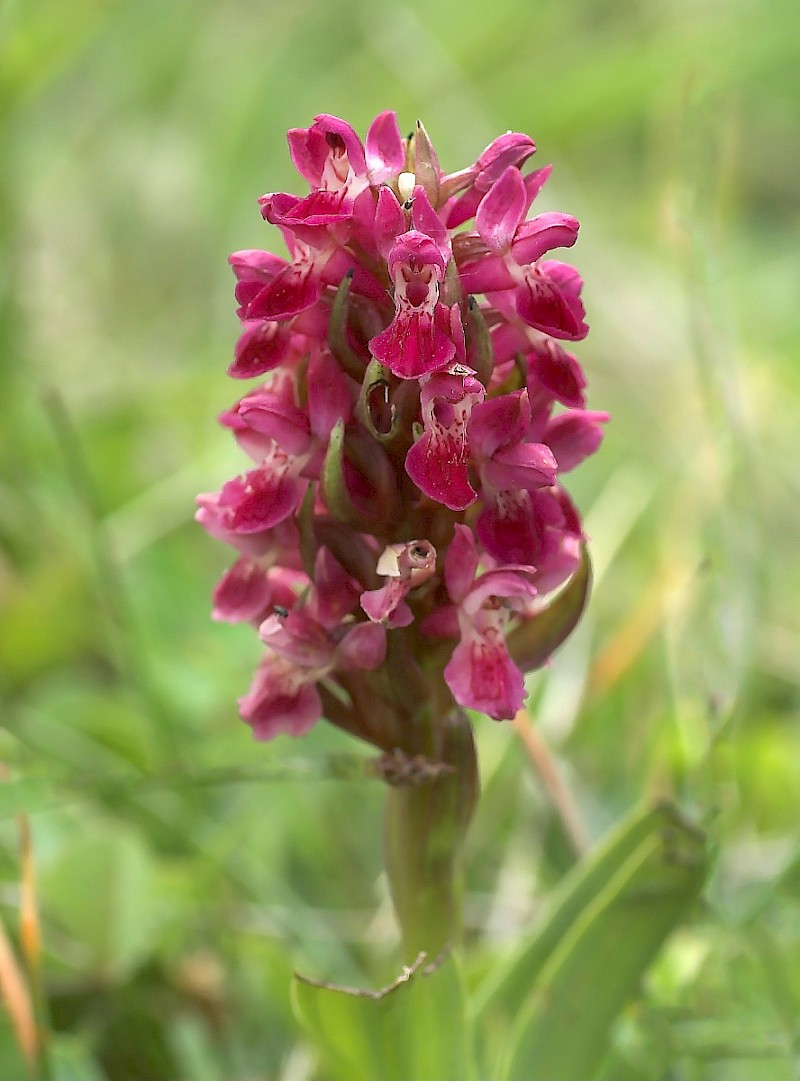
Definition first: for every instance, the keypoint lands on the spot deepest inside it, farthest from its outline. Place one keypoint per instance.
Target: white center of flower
(406, 183)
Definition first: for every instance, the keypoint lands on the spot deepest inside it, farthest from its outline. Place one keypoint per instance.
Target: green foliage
(532, 644)
(184, 871)
(100, 892)
(26, 795)
(562, 1028)
(415, 1028)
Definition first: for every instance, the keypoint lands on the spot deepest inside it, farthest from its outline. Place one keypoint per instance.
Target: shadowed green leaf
(334, 482)
(338, 341)
(598, 964)
(415, 1028)
(533, 641)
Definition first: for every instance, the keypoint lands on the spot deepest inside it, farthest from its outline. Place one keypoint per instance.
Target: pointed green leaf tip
(338, 340)
(334, 483)
(426, 164)
(480, 353)
(532, 642)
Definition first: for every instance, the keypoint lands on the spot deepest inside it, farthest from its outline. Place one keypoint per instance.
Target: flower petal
(280, 700)
(501, 211)
(384, 146)
(574, 435)
(482, 676)
(461, 563)
(413, 345)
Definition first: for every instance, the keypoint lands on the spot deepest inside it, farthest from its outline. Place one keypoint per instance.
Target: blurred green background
(184, 870)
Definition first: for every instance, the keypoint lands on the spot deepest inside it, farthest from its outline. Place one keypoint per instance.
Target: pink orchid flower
(414, 415)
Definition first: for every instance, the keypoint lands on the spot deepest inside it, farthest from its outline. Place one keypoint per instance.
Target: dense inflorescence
(404, 511)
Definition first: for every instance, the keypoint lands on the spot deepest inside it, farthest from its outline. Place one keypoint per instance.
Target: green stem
(425, 828)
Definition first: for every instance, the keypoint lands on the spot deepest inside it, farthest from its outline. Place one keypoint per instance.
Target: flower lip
(416, 251)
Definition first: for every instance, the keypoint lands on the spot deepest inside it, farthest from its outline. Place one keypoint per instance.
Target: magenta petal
(542, 234)
(256, 446)
(482, 676)
(363, 647)
(438, 467)
(280, 420)
(338, 131)
(511, 148)
(500, 422)
(293, 290)
(309, 151)
(458, 338)
(319, 209)
(243, 593)
(331, 395)
(535, 181)
(501, 210)
(379, 604)
(366, 284)
(255, 265)
(463, 209)
(507, 341)
(565, 276)
(298, 638)
(413, 345)
(279, 544)
(427, 221)
(487, 274)
(389, 221)
(258, 500)
(524, 465)
(461, 563)
(336, 592)
(418, 249)
(505, 582)
(559, 372)
(574, 435)
(262, 347)
(507, 530)
(280, 700)
(544, 306)
(385, 152)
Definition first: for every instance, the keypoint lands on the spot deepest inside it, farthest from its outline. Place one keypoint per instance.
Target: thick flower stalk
(403, 518)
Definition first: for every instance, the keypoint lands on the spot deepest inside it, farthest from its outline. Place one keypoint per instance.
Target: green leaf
(415, 1028)
(72, 1059)
(305, 520)
(479, 342)
(376, 382)
(534, 640)
(562, 1029)
(507, 987)
(99, 892)
(426, 164)
(334, 483)
(26, 796)
(338, 340)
